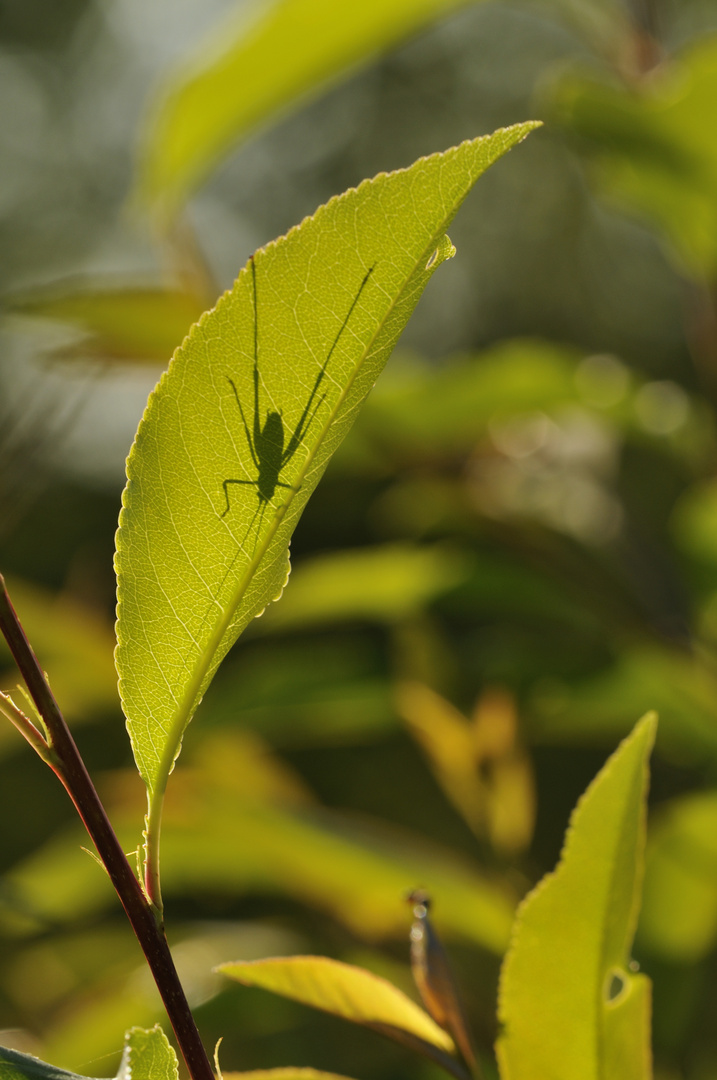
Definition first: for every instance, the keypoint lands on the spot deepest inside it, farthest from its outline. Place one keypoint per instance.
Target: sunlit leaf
(679, 911)
(253, 72)
(349, 992)
(119, 322)
(148, 1056)
(569, 1003)
(241, 427)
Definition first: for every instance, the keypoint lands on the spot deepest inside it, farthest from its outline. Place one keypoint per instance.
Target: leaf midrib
(183, 711)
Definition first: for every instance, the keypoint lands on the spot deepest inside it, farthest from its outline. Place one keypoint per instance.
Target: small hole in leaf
(616, 985)
(432, 260)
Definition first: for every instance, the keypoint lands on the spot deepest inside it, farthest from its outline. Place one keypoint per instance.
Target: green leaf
(681, 687)
(655, 148)
(216, 839)
(349, 992)
(679, 912)
(422, 409)
(148, 1056)
(308, 692)
(569, 1003)
(241, 427)
(119, 322)
(694, 522)
(478, 762)
(251, 74)
(385, 584)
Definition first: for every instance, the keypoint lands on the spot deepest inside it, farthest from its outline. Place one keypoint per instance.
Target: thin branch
(27, 729)
(70, 768)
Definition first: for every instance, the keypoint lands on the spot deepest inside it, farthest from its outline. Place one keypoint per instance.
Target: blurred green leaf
(656, 147)
(679, 686)
(423, 411)
(74, 644)
(196, 566)
(88, 989)
(253, 71)
(355, 871)
(425, 408)
(303, 690)
(479, 763)
(90, 986)
(569, 1003)
(694, 522)
(679, 911)
(119, 322)
(382, 584)
(148, 1056)
(349, 992)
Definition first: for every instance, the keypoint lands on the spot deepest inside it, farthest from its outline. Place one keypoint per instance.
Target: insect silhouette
(266, 441)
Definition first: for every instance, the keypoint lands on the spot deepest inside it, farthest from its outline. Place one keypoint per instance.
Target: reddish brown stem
(70, 768)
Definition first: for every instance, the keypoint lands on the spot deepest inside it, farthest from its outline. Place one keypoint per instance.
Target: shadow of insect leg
(307, 417)
(225, 485)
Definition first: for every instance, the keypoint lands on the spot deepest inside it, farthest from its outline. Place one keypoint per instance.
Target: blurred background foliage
(512, 557)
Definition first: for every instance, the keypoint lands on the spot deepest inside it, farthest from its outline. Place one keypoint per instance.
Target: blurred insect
(266, 443)
(432, 975)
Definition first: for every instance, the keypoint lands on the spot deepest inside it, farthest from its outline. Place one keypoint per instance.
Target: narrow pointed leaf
(259, 73)
(241, 427)
(351, 993)
(121, 322)
(569, 1002)
(148, 1056)
(341, 989)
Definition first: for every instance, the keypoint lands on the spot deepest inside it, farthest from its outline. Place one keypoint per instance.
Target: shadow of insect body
(266, 443)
